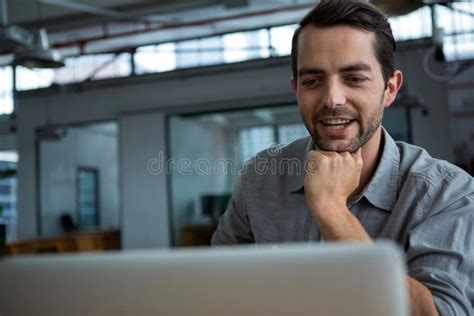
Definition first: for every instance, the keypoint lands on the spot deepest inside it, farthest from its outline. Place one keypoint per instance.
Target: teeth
(335, 127)
(336, 121)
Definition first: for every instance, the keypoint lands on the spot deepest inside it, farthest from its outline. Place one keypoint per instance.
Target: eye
(355, 80)
(311, 82)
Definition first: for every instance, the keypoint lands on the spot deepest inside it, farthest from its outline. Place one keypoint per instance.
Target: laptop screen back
(298, 279)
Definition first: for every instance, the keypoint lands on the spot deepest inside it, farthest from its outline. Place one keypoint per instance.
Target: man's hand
(421, 299)
(330, 180)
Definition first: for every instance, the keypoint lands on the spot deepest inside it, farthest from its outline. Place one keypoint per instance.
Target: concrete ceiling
(70, 13)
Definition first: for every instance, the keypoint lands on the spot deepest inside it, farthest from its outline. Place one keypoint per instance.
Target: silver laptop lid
(291, 279)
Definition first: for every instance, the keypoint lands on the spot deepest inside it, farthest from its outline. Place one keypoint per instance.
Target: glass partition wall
(207, 151)
(78, 177)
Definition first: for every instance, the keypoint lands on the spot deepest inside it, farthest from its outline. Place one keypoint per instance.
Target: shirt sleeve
(441, 247)
(234, 226)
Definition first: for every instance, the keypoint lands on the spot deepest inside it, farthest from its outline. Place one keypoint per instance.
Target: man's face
(340, 87)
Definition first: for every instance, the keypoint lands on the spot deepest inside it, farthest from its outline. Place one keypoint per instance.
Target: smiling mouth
(337, 123)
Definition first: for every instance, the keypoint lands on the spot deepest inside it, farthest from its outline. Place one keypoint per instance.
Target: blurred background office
(124, 123)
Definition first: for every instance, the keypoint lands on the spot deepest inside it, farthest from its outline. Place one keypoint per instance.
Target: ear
(393, 86)
(294, 84)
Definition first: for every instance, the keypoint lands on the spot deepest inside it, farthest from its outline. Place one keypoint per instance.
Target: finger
(311, 166)
(322, 156)
(346, 155)
(330, 154)
(313, 155)
(357, 153)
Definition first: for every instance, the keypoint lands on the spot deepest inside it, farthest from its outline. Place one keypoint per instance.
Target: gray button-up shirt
(424, 204)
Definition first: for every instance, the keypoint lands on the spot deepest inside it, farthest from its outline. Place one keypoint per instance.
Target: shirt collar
(297, 180)
(381, 190)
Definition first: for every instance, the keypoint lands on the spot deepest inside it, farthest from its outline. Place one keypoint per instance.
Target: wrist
(338, 224)
(328, 208)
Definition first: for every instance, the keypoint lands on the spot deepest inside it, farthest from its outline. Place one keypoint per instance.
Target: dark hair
(353, 13)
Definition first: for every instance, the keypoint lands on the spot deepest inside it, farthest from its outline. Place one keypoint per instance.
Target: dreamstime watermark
(268, 162)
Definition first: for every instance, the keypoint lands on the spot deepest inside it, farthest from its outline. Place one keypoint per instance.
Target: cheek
(306, 113)
(308, 101)
(387, 99)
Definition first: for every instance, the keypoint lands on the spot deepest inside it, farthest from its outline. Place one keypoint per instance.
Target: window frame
(96, 173)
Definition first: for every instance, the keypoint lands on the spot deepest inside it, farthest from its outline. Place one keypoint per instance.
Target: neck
(371, 153)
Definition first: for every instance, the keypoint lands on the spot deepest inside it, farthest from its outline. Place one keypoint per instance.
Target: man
(359, 183)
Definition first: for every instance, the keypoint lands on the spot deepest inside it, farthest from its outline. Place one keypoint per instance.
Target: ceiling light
(39, 55)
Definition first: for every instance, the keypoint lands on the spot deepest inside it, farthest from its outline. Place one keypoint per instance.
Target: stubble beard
(365, 133)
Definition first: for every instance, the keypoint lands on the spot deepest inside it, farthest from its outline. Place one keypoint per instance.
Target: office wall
(461, 100)
(145, 216)
(137, 101)
(432, 131)
(27, 207)
(95, 147)
(7, 136)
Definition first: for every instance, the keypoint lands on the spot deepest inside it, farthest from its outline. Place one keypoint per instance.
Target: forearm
(421, 300)
(341, 225)
(338, 224)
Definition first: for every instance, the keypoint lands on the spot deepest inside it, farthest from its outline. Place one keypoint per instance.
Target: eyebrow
(306, 71)
(352, 67)
(356, 67)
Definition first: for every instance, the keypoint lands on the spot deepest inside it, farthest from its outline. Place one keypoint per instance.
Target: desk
(196, 235)
(73, 242)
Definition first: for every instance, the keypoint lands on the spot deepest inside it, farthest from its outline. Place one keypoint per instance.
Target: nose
(335, 95)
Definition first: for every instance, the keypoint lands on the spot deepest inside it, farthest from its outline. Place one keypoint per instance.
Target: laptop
(289, 279)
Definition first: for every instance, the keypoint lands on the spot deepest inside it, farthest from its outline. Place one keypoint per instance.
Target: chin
(338, 146)
(341, 149)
